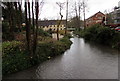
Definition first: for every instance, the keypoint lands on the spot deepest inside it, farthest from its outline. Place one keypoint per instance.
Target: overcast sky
(50, 9)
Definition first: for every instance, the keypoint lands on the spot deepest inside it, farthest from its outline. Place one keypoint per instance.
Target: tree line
(14, 16)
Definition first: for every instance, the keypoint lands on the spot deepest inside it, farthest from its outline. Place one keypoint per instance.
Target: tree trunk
(11, 20)
(27, 29)
(66, 17)
(59, 25)
(58, 31)
(76, 11)
(33, 17)
(20, 16)
(84, 15)
(36, 31)
(79, 16)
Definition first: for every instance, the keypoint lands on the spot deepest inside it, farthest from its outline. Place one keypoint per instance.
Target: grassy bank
(15, 57)
(102, 35)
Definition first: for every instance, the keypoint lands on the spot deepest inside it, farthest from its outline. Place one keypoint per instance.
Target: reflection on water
(82, 61)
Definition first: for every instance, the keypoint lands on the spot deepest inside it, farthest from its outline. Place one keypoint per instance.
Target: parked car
(112, 28)
(117, 28)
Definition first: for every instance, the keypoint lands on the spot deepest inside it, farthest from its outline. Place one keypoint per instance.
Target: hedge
(103, 35)
(16, 58)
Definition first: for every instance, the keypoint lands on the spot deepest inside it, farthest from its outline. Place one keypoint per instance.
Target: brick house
(99, 17)
(51, 24)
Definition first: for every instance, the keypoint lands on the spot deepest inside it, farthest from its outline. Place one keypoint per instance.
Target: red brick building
(96, 18)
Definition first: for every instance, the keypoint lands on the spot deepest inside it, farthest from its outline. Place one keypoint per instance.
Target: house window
(99, 17)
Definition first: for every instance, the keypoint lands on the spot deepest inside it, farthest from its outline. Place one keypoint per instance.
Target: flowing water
(82, 61)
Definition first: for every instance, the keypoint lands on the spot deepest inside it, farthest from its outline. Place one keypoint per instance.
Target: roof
(94, 15)
(50, 22)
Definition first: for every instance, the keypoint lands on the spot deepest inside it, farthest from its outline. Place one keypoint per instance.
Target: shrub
(116, 40)
(6, 35)
(102, 35)
(51, 49)
(90, 33)
(66, 41)
(41, 32)
(68, 35)
(76, 32)
(14, 57)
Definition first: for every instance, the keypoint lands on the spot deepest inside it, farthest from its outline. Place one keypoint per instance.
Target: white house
(51, 25)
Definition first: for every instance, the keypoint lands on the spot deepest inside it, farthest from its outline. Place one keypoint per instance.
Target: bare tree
(79, 13)
(33, 22)
(27, 28)
(61, 16)
(66, 17)
(84, 4)
(20, 15)
(36, 28)
(11, 18)
(76, 11)
(77, 17)
(78, 7)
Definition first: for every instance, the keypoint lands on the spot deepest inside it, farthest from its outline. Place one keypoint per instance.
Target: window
(99, 17)
(98, 21)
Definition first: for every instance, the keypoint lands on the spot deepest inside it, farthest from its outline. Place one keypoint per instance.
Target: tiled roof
(95, 14)
(50, 22)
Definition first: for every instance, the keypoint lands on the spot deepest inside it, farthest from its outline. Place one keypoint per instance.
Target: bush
(116, 40)
(6, 35)
(41, 32)
(68, 35)
(14, 57)
(52, 49)
(76, 32)
(102, 35)
(66, 41)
